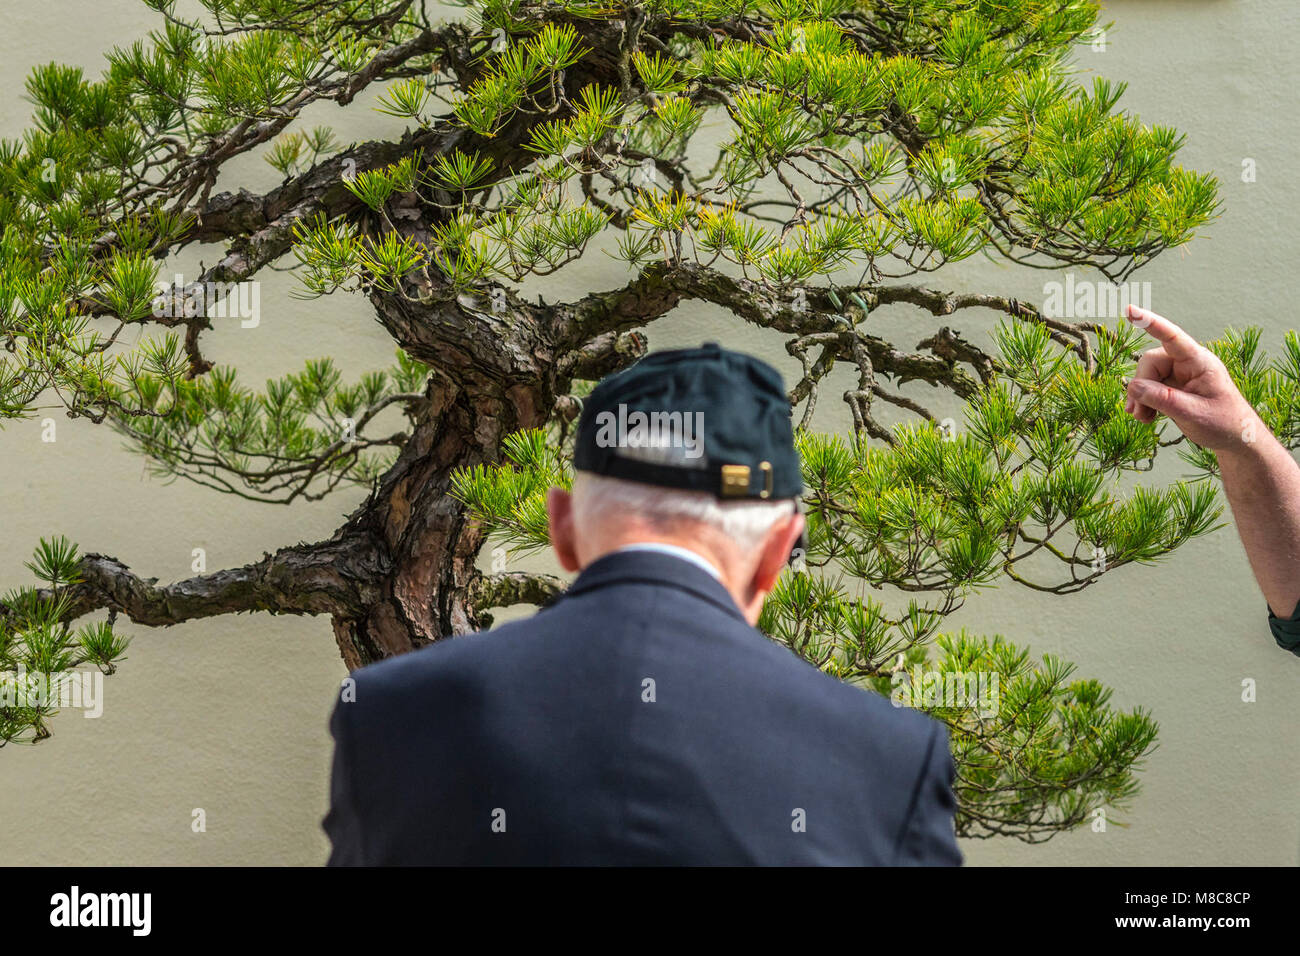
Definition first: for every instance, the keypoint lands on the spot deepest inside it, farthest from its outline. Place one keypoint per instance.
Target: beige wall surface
(229, 715)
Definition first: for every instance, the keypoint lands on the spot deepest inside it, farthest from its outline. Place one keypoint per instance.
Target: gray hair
(597, 498)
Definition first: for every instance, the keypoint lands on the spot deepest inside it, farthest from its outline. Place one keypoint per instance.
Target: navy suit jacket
(637, 720)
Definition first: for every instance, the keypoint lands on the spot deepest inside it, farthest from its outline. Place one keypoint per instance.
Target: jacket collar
(652, 567)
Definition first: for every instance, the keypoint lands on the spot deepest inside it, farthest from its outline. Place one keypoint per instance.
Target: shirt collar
(651, 566)
(686, 554)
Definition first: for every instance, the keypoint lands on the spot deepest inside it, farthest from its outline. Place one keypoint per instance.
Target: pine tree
(798, 163)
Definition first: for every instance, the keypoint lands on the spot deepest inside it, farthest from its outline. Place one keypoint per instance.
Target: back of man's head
(694, 449)
(612, 508)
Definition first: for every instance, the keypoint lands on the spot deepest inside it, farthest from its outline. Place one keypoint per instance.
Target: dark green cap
(705, 419)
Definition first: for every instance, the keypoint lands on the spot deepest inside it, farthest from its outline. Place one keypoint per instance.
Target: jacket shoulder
(905, 724)
(445, 663)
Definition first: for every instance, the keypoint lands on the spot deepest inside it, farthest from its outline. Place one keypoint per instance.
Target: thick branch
(328, 578)
(514, 587)
(659, 289)
(603, 355)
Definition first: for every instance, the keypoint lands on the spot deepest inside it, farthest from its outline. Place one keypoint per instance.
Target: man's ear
(559, 509)
(775, 552)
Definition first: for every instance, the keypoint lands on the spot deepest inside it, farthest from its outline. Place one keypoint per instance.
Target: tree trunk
(497, 366)
(424, 544)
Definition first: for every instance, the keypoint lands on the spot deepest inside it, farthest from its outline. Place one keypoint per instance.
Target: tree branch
(514, 587)
(326, 578)
(660, 288)
(603, 355)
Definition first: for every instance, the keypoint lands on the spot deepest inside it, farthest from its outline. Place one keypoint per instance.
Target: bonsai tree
(801, 164)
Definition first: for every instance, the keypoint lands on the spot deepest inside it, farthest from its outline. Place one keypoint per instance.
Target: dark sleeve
(343, 823)
(928, 837)
(1286, 630)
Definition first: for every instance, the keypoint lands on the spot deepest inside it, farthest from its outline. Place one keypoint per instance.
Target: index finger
(1178, 344)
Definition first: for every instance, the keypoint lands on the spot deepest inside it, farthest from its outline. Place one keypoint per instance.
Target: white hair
(599, 499)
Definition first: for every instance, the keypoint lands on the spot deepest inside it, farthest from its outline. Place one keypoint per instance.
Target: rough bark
(492, 374)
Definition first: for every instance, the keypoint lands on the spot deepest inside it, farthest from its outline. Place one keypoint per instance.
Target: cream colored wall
(230, 714)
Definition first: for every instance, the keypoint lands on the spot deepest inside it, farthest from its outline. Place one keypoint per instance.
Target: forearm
(1262, 483)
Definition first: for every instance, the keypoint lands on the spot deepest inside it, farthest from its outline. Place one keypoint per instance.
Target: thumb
(1173, 402)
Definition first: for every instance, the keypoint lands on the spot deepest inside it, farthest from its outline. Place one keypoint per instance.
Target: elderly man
(1187, 382)
(641, 719)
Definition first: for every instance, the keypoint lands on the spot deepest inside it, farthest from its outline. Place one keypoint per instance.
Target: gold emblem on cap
(735, 481)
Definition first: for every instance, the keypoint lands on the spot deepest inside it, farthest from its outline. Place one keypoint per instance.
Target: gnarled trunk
(424, 545)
